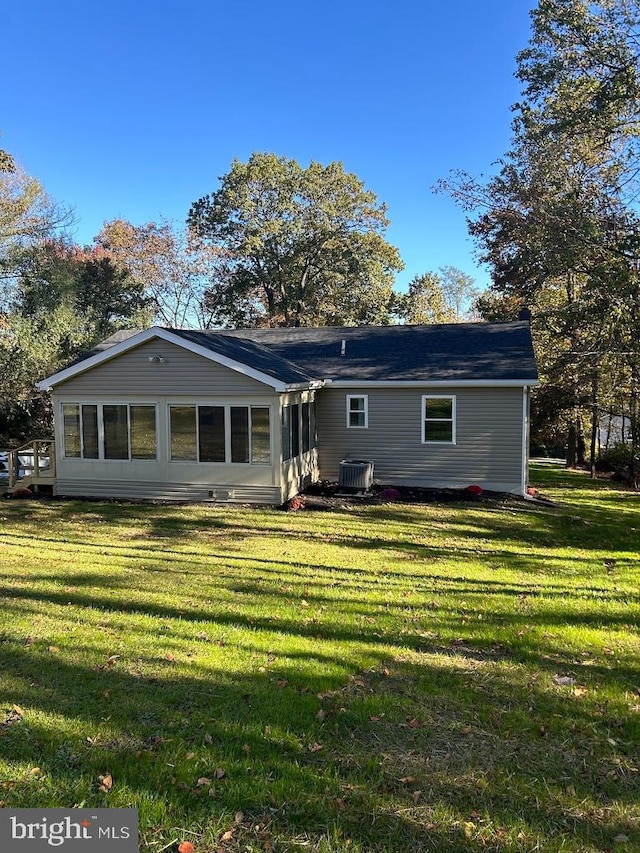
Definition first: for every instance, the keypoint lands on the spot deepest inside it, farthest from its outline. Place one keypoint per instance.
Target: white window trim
(453, 419)
(364, 397)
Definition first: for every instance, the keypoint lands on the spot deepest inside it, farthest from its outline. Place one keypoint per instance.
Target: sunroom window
(109, 431)
(298, 428)
(238, 434)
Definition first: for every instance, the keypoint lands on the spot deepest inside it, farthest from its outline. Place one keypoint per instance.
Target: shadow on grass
(389, 625)
(407, 756)
(414, 730)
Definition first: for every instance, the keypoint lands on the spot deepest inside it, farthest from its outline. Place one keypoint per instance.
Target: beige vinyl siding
(182, 372)
(488, 448)
(166, 491)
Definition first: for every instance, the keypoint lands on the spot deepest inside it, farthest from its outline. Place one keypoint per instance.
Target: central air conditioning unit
(356, 474)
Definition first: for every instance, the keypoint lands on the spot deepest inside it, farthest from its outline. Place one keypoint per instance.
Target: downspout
(525, 439)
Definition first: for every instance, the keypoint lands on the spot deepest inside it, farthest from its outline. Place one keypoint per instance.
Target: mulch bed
(328, 495)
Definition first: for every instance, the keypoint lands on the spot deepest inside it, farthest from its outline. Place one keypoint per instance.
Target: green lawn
(374, 678)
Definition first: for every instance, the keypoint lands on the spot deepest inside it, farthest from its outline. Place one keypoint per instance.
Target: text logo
(69, 830)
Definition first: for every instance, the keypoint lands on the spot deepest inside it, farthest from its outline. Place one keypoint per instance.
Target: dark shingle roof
(246, 351)
(450, 352)
(456, 352)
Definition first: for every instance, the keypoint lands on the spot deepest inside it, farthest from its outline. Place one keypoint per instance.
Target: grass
(376, 678)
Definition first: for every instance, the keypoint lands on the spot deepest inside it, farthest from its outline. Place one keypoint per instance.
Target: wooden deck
(32, 465)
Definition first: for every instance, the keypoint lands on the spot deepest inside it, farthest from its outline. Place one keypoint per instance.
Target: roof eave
(422, 383)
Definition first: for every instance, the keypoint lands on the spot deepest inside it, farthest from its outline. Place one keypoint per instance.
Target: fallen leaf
(239, 817)
(315, 747)
(203, 780)
(169, 657)
(374, 718)
(416, 796)
(414, 723)
(105, 783)
(111, 661)
(53, 649)
(228, 835)
(621, 839)
(563, 680)
(207, 738)
(386, 672)
(185, 847)
(282, 682)
(246, 748)
(220, 773)
(408, 780)
(304, 603)
(321, 714)
(190, 755)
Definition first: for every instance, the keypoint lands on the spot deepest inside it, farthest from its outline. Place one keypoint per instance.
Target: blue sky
(135, 109)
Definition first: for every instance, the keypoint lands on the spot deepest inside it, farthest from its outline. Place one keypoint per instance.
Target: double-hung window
(438, 419)
(357, 411)
(109, 431)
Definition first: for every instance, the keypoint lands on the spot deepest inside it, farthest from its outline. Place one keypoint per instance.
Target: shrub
(22, 493)
(295, 504)
(474, 490)
(616, 458)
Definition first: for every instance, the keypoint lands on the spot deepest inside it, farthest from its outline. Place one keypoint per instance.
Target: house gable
(157, 368)
(279, 375)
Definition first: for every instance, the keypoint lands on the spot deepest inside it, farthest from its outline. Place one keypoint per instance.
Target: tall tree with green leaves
(65, 300)
(425, 301)
(301, 246)
(557, 224)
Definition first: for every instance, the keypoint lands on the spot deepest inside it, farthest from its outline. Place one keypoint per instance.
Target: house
(256, 415)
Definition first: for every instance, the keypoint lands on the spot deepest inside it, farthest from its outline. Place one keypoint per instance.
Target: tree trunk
(635, 432)
(595, 419)
(571, 445)
(581, 450)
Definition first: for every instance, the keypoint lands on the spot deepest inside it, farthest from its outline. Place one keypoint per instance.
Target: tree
(102, 297)
(173, 268)
(65, 300)
(300, 246)
(459, 293)
(27, 215)
(425, 301)
(557, 223)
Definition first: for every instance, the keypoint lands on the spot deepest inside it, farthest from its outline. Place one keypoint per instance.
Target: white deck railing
(34, 462)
